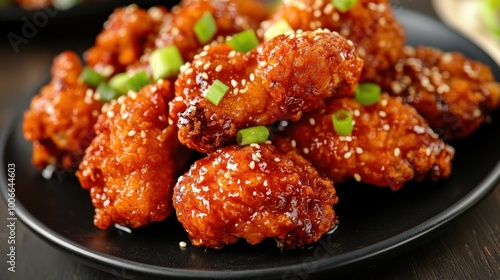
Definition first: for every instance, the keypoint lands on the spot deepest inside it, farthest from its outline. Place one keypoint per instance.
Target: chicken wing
(278, 80)
(60, 120)
(130, 167)
(254, 192)
(390, 143)
(369, 24)
(455, 94)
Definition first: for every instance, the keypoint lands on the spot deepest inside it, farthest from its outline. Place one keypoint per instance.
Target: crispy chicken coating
(254, 192)
(278, 80)
(369, 24)
(130, 166)
(389, 145)
(455, 94)
(231, 17)
(60, 120)
(124, 38)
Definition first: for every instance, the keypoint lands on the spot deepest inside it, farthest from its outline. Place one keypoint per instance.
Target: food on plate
(130, 166)
(277, 80)
(390, 143)
(369, 24)
(453, 93)
(254, 192)
(60, 120)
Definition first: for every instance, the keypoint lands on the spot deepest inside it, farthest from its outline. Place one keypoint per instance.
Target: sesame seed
(262, 63)
(357, 177)
(243, 82)
(347, 155)
(384, 102)
(255, 158)
(294, 143)
(428, 151)
(252, 165)
(182, 244)
(235, 91)
(276, 159)
(255, 145)
(382, 114)
(312, 121)
(206, 66)
(204, 75)
(234, 83)
(357, 113)
(143, 134)
(386, 127)
(259, 155)
(110, 114)
(359, 150)
(218, 68)
(306, 151)
(252, 77)
(131, 133)
(397, 152)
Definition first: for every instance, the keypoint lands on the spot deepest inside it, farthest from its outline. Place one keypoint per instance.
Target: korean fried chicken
(254, 192)
(231, 17)
(369, 24)
(130, 166)
(124, 38)
(389, 145)
(60, 120)
(278, 80)
(453, 93)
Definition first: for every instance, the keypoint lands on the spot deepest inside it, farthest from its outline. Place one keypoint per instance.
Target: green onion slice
(367, 93)
(244, 41)
(165, 62)
(343, 5)
(278, 28)
(205, 28)
(342, 122)
(138, 80)
(91, 77)
(119, 83)
(250, 135)
(490, 13)
(216, 91)
(106, 92)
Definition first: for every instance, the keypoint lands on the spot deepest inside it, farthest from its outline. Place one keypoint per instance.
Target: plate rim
(109, 263)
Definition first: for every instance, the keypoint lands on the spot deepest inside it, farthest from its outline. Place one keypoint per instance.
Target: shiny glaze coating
(130, 166)
(125, 36)
(389, 145)
(254, 192)
(61, 117)
(455, 94)
(278, 80)
(369, 24)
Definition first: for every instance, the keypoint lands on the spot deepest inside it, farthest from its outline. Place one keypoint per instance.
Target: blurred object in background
(479, 20)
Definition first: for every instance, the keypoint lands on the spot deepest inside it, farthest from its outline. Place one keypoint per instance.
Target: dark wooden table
(469, 249)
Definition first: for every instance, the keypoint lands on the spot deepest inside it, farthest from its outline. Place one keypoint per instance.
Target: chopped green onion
(244, 41)
(91, 77)
(342, 122)
(165, 62)
(490, 13)
(367, 93)
(250, 135)
(216, 91)
(138, 80)
(106, 92)
(343, 5)
(278, 28)
(119, 83)
(205, 28)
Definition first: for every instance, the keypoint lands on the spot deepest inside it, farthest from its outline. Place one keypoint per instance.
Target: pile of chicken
(132, 153)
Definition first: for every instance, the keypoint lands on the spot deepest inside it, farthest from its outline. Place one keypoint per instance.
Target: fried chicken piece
(130, 166)
(254, 192)
(231, 17)
(389, 145)
(278, 80)
(60, 120)
(455, 94)
(369, 24)
(124, 38)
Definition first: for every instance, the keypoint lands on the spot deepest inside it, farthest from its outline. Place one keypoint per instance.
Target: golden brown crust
(61, 118)
(278, 80)
(389, 145)
(254, 192)
(369, 24)
(455, 94)
(130, 166)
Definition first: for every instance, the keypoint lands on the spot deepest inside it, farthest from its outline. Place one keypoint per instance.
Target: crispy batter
(130, 166)
(123, 39)
(278, 80)
(389, 145)
(231, 17)
(369, 24)
(60, 120)
(455, 94)
(254, 192)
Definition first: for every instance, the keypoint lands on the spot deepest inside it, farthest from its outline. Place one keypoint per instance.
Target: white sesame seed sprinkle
(252, 165)
(347, 155)
(357, 177)
(182, 244)
(306, 151)
(359, 150)
(293, 143)
(312, 121)
(131, 133)
(397, 152)
(218, 68)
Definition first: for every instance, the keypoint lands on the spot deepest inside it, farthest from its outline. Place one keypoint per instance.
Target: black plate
(374, 222)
